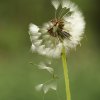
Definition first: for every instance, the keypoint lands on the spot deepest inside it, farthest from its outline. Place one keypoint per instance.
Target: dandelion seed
(48, 85)
(55, 3)
(33, 29)
(33, 47)
(39, 87)
(44, 66)
(65, 30)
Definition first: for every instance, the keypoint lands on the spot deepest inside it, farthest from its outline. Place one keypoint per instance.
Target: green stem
(65, 69)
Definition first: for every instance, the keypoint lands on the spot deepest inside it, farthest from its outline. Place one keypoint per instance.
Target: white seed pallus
(50, 85)
(55, 3)
(66, 31)
(45, 67)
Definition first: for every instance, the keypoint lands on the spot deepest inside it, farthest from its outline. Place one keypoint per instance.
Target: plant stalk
(65, 69)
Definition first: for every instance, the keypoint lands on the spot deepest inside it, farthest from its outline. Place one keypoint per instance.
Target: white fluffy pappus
(64, 30)
(48, 85)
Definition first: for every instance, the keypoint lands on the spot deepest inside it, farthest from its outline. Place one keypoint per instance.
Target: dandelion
(65, 30)
(57, 36)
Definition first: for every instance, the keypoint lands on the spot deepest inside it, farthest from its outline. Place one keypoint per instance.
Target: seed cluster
(57, 29)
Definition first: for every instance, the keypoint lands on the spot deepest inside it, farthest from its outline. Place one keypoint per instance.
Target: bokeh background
(18, 77)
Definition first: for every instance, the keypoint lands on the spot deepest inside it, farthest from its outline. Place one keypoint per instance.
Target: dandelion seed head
(66, 30)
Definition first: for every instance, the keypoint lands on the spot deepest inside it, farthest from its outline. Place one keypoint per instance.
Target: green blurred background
(18, 77)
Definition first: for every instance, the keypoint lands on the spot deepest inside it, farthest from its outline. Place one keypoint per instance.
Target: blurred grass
(18, 77)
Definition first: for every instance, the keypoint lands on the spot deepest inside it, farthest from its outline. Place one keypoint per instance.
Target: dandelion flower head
(64, 30)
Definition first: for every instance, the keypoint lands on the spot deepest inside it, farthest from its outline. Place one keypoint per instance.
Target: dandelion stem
(65, 69)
